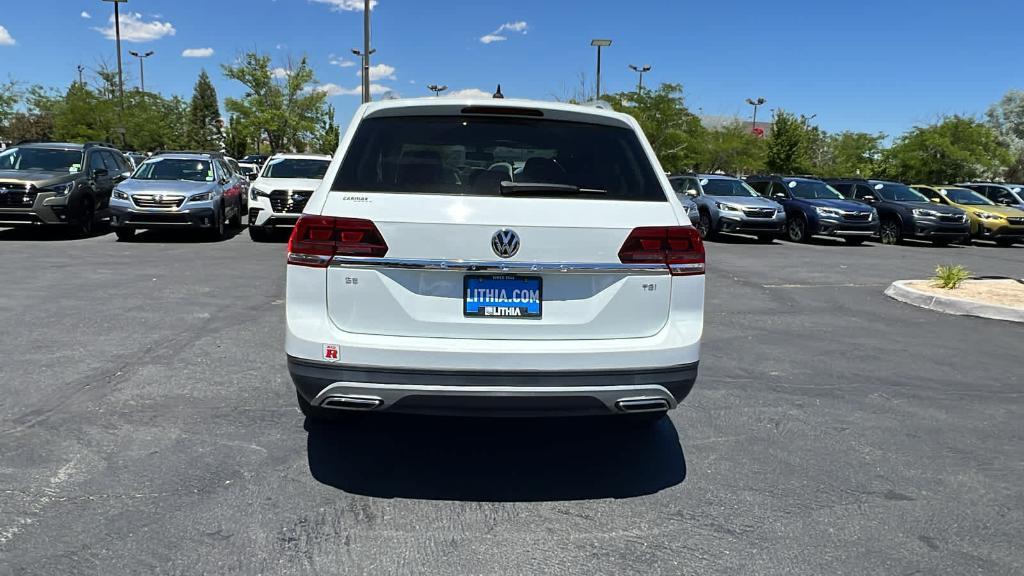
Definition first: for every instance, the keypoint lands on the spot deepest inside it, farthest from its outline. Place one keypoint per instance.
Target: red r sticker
(332, 352)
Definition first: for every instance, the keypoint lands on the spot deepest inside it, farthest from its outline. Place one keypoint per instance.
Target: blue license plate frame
(511, 307)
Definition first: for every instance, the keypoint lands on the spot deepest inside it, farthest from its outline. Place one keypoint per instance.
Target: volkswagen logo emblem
(505, 243)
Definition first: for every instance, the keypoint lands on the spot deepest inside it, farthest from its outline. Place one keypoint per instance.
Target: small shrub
(950, 277)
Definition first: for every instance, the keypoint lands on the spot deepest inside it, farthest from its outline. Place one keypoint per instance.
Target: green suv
(54, 183)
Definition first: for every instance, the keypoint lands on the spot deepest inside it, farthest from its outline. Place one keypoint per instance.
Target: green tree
(788, 147)
(287, 110)
(732, 149)
(1007, 118)
(851, 154)
(329, 134)
(203, 113)
(8, 100)
(673, 131)
(237, 137)
(955, 148)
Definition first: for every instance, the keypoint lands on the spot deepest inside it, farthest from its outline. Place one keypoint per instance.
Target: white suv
(494, 257)
(280, 192)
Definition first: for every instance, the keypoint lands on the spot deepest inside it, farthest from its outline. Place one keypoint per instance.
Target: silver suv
(178, 190)
(727, 204)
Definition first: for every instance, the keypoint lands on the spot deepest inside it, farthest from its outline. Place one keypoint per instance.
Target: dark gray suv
(56, 183)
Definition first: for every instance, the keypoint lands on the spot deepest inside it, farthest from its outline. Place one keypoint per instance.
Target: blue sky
(871, 65)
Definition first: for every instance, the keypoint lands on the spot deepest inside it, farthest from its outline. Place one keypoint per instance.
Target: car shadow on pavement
(185, 236)
(47, 234)
(491, 460)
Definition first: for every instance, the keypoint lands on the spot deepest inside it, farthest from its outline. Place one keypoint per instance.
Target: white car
(418, 282)
(280, 192)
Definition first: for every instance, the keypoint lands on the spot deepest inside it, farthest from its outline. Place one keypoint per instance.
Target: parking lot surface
(148, 426)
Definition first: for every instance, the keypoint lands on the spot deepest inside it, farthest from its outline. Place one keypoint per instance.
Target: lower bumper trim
(521, 393)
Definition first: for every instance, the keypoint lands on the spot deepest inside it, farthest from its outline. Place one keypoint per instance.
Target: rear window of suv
(472, 156)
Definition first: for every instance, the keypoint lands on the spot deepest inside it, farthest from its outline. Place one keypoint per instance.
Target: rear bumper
(491, 393)
(121, 217)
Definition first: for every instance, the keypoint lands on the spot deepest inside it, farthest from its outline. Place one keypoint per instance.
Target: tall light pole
(600, 44)
(640, 70)
(366, 51)
(81, 79)
(142, 69)
(117, 35)
(437, 89)
(755, 104)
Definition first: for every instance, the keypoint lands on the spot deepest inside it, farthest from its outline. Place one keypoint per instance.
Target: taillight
(317, 239)
(677, 247)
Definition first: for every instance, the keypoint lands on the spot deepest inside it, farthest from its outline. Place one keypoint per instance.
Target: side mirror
(868, 199)
(779, 196)
(251, 176)
(936, 200)
(691, 192)
(1006, 202)
(126, 174)
(100, 173)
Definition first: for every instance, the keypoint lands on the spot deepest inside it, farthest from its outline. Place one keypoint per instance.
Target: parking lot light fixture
(117, 36)
(599, 43)
(755, 103)
(437, 88)
(640, 70)
(142, 68)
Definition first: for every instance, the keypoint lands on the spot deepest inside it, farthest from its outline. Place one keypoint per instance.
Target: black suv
(905, 212)
(59, 183)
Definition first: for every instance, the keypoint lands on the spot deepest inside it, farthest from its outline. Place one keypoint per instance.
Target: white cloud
(5, 37)
(85, 15)
(467, 93)
(280, 73)
(499, 36)
(197, 52)
(340, 62)
(347, 5)
(335, 90)
(280, 46)
(135, 29)
(380, 72)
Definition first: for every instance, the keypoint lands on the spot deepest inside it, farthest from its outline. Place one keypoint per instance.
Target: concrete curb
(900, 290)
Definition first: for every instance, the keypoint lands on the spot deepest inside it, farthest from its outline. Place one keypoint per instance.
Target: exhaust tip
(351, 403)
(642, 405)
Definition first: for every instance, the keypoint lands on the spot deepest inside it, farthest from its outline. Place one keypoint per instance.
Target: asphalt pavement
(148, 426)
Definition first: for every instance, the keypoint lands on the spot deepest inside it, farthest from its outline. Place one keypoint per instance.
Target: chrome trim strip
(497, 266)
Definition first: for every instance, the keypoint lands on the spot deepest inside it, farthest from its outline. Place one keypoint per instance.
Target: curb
(899, 290)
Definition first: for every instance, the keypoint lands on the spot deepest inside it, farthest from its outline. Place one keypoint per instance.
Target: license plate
(502, 297)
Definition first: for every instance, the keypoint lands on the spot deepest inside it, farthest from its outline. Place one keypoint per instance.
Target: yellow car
(989, 221)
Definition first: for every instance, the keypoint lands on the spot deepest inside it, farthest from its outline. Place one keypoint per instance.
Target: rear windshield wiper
(545, 189)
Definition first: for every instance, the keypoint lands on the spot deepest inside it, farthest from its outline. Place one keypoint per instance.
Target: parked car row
(80, 185)
(799, 208)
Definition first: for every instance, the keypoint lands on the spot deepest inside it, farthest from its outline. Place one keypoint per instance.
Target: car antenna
(497, 93)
